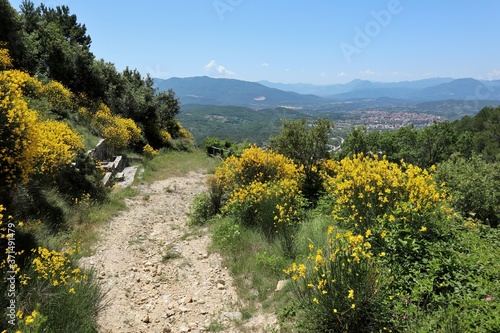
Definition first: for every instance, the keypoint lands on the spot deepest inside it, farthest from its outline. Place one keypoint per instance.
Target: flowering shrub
(119, 132)
(396, 220)
(55, 268)
(256, 164)
(339, 285)
(5, 60)
(182, 132)
(149, 152)
(262, 188)
(366, 189)
(18, 147)
(28, 143)
(165, 136)
(177, 130)
(273, 207)
(59, 97)
(30, 323)
(57, 145)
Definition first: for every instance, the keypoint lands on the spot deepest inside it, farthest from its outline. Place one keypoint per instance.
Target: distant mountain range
(355, 85)
(264, 94)
(434, 89)
(210, 91)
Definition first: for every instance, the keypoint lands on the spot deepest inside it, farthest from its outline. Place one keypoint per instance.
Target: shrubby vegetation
(56, 101)
(307, 145)
(391, 246)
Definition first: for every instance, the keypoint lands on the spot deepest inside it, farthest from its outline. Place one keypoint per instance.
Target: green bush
(204, 207)
(474, 185)
(227, 235)
(183, 144)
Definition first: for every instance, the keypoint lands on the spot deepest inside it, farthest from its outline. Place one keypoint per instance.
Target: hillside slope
(206, 90)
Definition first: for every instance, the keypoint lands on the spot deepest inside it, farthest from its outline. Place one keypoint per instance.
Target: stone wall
(100, 152)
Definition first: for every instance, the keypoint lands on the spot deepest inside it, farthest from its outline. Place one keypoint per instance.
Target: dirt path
(159, 274)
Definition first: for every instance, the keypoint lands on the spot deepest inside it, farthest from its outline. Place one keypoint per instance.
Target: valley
(253, 111)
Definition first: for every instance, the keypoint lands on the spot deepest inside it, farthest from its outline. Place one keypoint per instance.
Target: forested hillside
(56, 101)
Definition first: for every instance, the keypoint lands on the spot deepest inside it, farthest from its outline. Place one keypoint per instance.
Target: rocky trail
(157, 271)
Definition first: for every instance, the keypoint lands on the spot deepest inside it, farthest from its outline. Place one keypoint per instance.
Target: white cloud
(264, 64)
(323, 74)
(212, 68)
(367, 72)
(342, 74)
(494, 74)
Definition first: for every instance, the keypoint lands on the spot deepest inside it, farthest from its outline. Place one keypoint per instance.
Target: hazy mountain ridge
(433, 89)
(331, 90)
(264, 94)
(206, 90)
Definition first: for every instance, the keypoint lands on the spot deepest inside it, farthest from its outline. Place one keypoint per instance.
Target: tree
(436, 143)
(474, 185)
(306, 145)
(168, 106)
(356, 142)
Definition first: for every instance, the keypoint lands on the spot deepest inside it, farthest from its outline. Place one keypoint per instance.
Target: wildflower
(334, 310)
(353, 306)
(423, 229)
(351, 294)
(29, 320)
(315, 300)
(489, 299)
(72, 291)
(330, 230)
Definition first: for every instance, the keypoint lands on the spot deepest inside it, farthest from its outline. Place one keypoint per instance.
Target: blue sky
(319, 41)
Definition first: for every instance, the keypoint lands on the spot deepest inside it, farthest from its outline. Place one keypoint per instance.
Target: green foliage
(227, 235)
(474, 185)
(169, 107)
(202, 209)
(432, 144)
(58, 307)
(256, 264)
(183, 144)
(383, 251)
(339, 286)
(50, 44)
(237, 124)
(307, 145)
(485, 129)
(216, 147)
